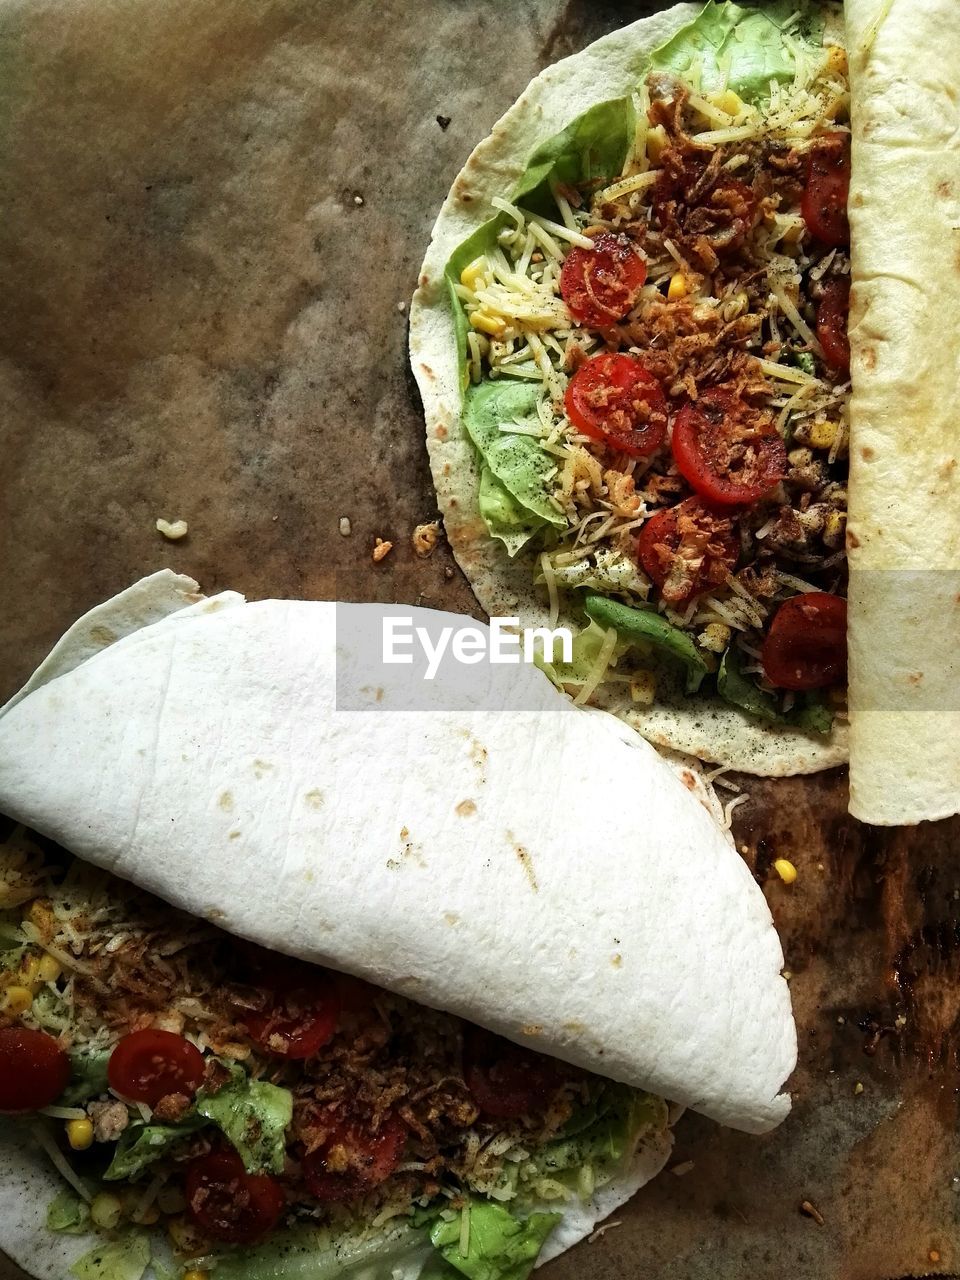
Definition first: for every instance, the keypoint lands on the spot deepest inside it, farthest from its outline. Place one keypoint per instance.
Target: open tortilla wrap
(704, 726)
(904, 528)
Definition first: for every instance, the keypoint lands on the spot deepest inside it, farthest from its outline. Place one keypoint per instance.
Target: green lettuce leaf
(126, 1258)
(516, 460)
(586, 649)
(738, 689)
(506, 519)
(619, 1116)
(499, 1246)
(742, 48)
(88, 1078)
(809, 712)
(253, 1115)
(140, 1145)
(321, 1254)
(812, 714)
(68, 1213)
(591, 150)
(645, 627)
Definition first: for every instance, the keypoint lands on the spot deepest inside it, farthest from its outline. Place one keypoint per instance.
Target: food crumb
(841, 1022)
(448, 572)
(381, 549)
(900, 1021)
(173, 530)
(401, 306)
(607, 1226)
(858, 1089)
(346, 528)
(813, 1212)
(681, 1170)
(358, 200)
(934, 1255)
(444, 121)
(424, 538)
(786, 975)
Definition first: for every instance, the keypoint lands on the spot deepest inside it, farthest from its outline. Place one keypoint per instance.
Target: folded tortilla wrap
(705, 726)
(904, 528)
(488, 862)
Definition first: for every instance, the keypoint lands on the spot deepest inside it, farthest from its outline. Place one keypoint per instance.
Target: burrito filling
(656, 371)
(200, 1096)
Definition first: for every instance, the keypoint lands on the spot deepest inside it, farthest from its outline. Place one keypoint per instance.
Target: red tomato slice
(614, 399)
(352, 1162)
(147, 1065)
(832, 315)
(298, 1024)
(824, 203)
(34, 1070)
(506, 1080)
(806, 646)
(687, 549)
(599, 285)
(730, 453)
(230, 1204)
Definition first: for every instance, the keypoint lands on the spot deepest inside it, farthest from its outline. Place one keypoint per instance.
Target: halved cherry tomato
(230, 1204)
(34, 1070)
(506, 1080)
(352, 1162)
(729, 452)
(147, 1065)
(832, 315)
(687, 549)
(614, 399)
(599, 284)
(297, 1024)
(806, 646)
(824, 203)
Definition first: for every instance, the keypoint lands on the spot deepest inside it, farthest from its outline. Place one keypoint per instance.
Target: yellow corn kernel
(836, 64)
(715, 636)
(785, 870)
(41, 917)
(678, 287)
(730, 102)
(472, 274)
(487, 323)
(49, 969)
(821, 435)
(16, 1000)
(657, 143)
(196, 1274)
(105, 1210)
(643, 688)
(833, 527)
(29, 971)
(80, 1134)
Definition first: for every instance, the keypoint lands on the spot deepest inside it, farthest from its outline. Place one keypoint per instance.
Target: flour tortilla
(706, 727)
(481, 861)
(641, 948)
(904, 526)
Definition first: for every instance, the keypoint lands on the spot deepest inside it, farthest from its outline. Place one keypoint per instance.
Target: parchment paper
(198, 320)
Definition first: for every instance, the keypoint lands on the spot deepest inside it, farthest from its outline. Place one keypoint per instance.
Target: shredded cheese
(599, 668)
